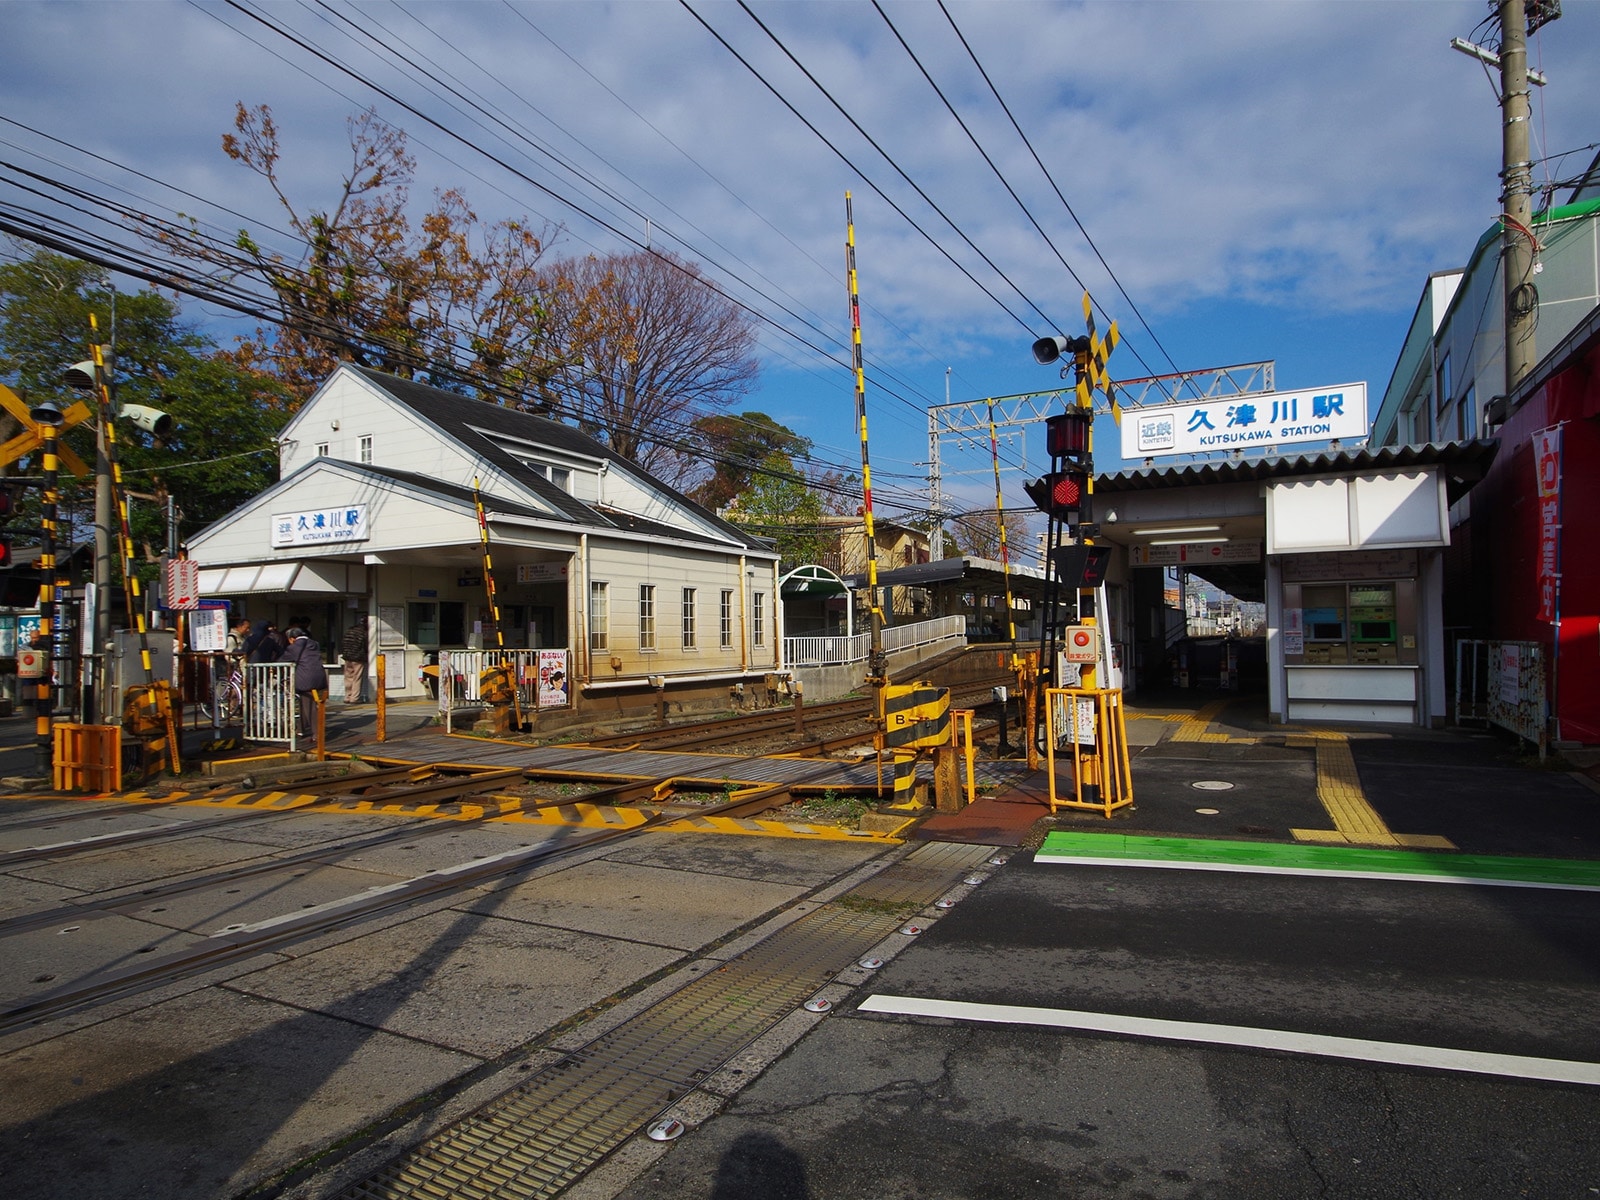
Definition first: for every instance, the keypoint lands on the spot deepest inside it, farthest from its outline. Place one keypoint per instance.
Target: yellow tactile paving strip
(1355, 821)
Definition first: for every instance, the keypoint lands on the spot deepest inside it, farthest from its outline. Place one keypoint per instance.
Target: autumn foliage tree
(453, 301)
(631, 346)
(649, 345)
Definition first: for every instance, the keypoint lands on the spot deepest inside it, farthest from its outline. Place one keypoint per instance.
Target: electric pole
(1516, 194)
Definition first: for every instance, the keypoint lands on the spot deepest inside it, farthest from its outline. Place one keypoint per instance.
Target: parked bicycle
(227, 701)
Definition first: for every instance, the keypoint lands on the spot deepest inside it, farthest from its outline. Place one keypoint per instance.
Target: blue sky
(1264, 180)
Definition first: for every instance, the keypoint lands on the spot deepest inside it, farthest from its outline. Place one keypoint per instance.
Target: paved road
(976, 1103)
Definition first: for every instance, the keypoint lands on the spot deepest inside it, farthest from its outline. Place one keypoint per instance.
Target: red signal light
(1062, 494)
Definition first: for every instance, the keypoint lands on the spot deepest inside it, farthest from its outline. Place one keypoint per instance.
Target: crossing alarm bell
(152, 420)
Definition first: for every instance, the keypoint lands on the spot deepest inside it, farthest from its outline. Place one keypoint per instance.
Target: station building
(376, 519)
(1520, 578)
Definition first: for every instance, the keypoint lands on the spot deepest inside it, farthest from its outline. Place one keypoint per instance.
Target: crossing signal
(1061, 494)
(1067, 435)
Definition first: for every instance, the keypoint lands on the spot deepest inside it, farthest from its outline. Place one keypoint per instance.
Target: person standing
(353, 647)
(310, 676)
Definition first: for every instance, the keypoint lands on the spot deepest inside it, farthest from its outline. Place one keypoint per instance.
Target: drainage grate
(538, 1138)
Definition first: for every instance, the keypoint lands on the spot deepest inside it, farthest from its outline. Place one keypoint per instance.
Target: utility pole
(1516, 194)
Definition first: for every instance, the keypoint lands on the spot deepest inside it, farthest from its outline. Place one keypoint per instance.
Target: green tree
(221, 450)
(733, 446)
(780, 504)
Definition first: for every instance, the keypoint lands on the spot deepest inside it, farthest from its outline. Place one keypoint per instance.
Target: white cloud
(1311, 159)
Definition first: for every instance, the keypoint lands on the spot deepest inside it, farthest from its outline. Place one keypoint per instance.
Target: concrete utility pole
(1516, 194)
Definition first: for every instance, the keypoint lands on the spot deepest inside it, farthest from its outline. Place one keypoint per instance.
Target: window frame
(647, 618)
(688, 629)
(599, 616)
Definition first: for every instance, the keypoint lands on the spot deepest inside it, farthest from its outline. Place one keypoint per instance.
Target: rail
(841, 650)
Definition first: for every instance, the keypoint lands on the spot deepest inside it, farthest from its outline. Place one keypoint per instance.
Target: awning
(812, 580)
(279, 577)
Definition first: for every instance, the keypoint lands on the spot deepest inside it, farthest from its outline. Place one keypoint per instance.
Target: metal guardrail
(1503, 683)
(841, 650)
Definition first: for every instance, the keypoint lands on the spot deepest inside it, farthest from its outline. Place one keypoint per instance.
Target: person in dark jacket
(353, 648)
(310, 676)
(264, 644)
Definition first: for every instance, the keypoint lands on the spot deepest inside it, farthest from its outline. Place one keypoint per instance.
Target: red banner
(1547, 464)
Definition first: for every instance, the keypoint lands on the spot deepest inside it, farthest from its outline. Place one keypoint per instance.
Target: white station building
(375, 518)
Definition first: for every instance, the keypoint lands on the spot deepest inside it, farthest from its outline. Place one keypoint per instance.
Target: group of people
(261, 642)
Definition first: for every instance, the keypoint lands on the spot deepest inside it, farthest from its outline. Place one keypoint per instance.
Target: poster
(391, 625)
(553, 691)
(208, 629)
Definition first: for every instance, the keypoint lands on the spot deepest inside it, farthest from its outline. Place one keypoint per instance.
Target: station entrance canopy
(1211, 518)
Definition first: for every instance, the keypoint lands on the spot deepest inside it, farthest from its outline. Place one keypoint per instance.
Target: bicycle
(229, 700)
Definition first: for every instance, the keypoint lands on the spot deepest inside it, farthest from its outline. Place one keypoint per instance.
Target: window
(758, 619)
(422, 623)
(725, 633)
(599, 617)
(688, 619)
(560, 476)
(1467, 427)
(322, 449)
(1442, 385)
(366, 448)
(647, 616)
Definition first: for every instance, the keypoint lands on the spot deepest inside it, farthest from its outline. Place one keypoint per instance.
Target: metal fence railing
(841, 650)
(1503, 683)
(269, 704)
(460, 677)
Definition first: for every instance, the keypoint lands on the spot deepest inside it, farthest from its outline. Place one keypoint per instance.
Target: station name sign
(1247, 422)
(320, 526)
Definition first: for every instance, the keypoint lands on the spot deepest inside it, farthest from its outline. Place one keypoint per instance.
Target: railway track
(732, 731)
(242, 941)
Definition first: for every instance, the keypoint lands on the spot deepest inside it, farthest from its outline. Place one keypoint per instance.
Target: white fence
(269, 704)
(461, 672)
(840, 650)
(1502, 683)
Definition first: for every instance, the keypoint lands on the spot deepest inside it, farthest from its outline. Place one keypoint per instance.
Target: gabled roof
(473, 423)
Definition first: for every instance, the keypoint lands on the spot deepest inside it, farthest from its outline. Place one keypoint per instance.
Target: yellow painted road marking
(1355, 821)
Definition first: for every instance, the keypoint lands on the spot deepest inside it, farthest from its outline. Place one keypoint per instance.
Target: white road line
(1163, 864)
(1516, 1066)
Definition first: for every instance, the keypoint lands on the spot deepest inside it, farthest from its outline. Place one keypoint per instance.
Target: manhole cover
(1212, 785)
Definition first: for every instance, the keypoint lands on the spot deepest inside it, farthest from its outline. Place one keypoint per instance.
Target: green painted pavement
(1286, 858)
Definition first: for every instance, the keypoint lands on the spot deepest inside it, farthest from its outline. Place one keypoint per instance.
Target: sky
(1232, 182)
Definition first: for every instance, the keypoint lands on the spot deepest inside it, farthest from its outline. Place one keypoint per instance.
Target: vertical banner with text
(1547, 464)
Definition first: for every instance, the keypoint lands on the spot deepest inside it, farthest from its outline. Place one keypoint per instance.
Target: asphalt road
(880, 1104)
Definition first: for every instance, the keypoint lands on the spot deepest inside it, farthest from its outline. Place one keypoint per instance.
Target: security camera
(152, 420)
